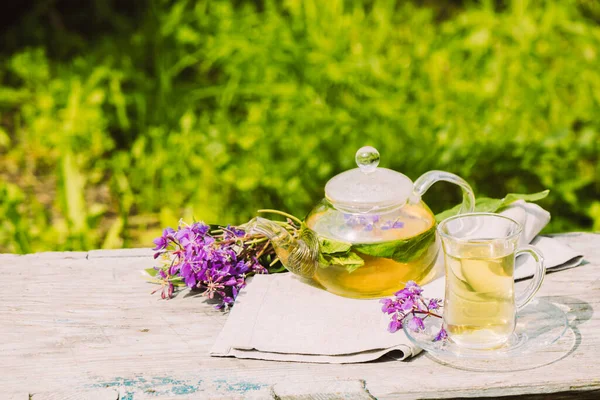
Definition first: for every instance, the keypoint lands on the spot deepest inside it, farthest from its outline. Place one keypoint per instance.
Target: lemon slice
(486, 276)
(455, 277)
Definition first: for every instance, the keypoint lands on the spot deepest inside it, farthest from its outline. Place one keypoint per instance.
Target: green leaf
(350, 260)
(151, 271)
(335, 252)
(323, 262)
(486, 204)
(353, 262)
(512, 197)
(278, 269)
(179, 282)
(330, 246)
(402, 251)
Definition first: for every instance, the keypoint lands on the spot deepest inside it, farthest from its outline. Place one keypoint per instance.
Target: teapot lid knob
(367, 159)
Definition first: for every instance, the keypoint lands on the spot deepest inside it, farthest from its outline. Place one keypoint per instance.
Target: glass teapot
(370, 235)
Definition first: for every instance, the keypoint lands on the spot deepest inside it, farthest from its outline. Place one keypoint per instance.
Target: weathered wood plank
(121, 253)
(587, 395)
(69, 394)
(65, 394)
(49, 255)
(326, 390)
(89, 323)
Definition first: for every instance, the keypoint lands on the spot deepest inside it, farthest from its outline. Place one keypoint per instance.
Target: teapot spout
(298, 255)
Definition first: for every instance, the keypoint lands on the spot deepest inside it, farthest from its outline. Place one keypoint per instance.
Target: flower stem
(229, 241)
(274, 262)
(255, 241)
(286, 225)
(281, 213)
(428, 313)
(260, 253)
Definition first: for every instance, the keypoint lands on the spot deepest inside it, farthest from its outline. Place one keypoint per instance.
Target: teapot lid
(368, 188)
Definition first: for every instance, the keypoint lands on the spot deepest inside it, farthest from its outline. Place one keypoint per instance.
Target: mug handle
(425, 181)
(522, 299)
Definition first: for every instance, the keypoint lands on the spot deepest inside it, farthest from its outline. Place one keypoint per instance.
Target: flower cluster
(370, 222)
(411, 301)
(217, 262)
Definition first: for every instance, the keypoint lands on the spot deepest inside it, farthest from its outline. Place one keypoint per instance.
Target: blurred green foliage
(213, 109)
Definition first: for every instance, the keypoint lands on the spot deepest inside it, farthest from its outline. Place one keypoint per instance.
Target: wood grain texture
(87, 321)
(76, 394)
(326, 390)
(578, 395)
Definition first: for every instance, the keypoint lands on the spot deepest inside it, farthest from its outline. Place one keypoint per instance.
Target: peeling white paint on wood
(87, 322)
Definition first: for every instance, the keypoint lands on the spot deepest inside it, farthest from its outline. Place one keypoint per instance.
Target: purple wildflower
(241, 268)
(234, 232)
(199, 228)
(162, 242)
(434, 304)
(395, 324)
(214, 284)
(188, 274)
(367, 222)
(389, 306)
(387, 225)
(218, 265)
(416, 324)
(442, 335)
(414, 288)
(407, 304)
(410, 301)
(173, 269)
(403, 294)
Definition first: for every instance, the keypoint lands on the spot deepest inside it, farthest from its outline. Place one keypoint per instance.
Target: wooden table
(83, 325)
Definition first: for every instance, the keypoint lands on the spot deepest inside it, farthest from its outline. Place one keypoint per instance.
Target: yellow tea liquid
(479, 309)
(380, 276)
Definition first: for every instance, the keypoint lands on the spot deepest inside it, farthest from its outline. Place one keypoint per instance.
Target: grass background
(119, 118)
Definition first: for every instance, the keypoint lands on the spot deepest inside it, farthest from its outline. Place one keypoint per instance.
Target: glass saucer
(539, 327)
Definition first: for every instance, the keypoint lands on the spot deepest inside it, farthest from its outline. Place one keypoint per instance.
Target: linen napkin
(282, 317)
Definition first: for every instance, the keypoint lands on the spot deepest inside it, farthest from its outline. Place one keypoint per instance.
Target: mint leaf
(335, 252)
(350, 260)
(382, 249)
(323, 262)
(330, 246)
(486, 204)
(402, 251)
(353, 262)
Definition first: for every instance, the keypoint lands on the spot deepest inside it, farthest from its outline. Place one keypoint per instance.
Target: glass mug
(480, 306)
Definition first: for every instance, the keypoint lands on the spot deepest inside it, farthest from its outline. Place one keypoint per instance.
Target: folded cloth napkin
(285, 318)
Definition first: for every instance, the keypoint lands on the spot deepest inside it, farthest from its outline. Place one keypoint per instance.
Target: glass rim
(478, 214)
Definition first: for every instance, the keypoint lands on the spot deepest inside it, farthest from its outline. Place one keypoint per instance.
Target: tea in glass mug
(480, 305)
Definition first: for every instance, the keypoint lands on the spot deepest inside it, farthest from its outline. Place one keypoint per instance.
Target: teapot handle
(429, 178)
